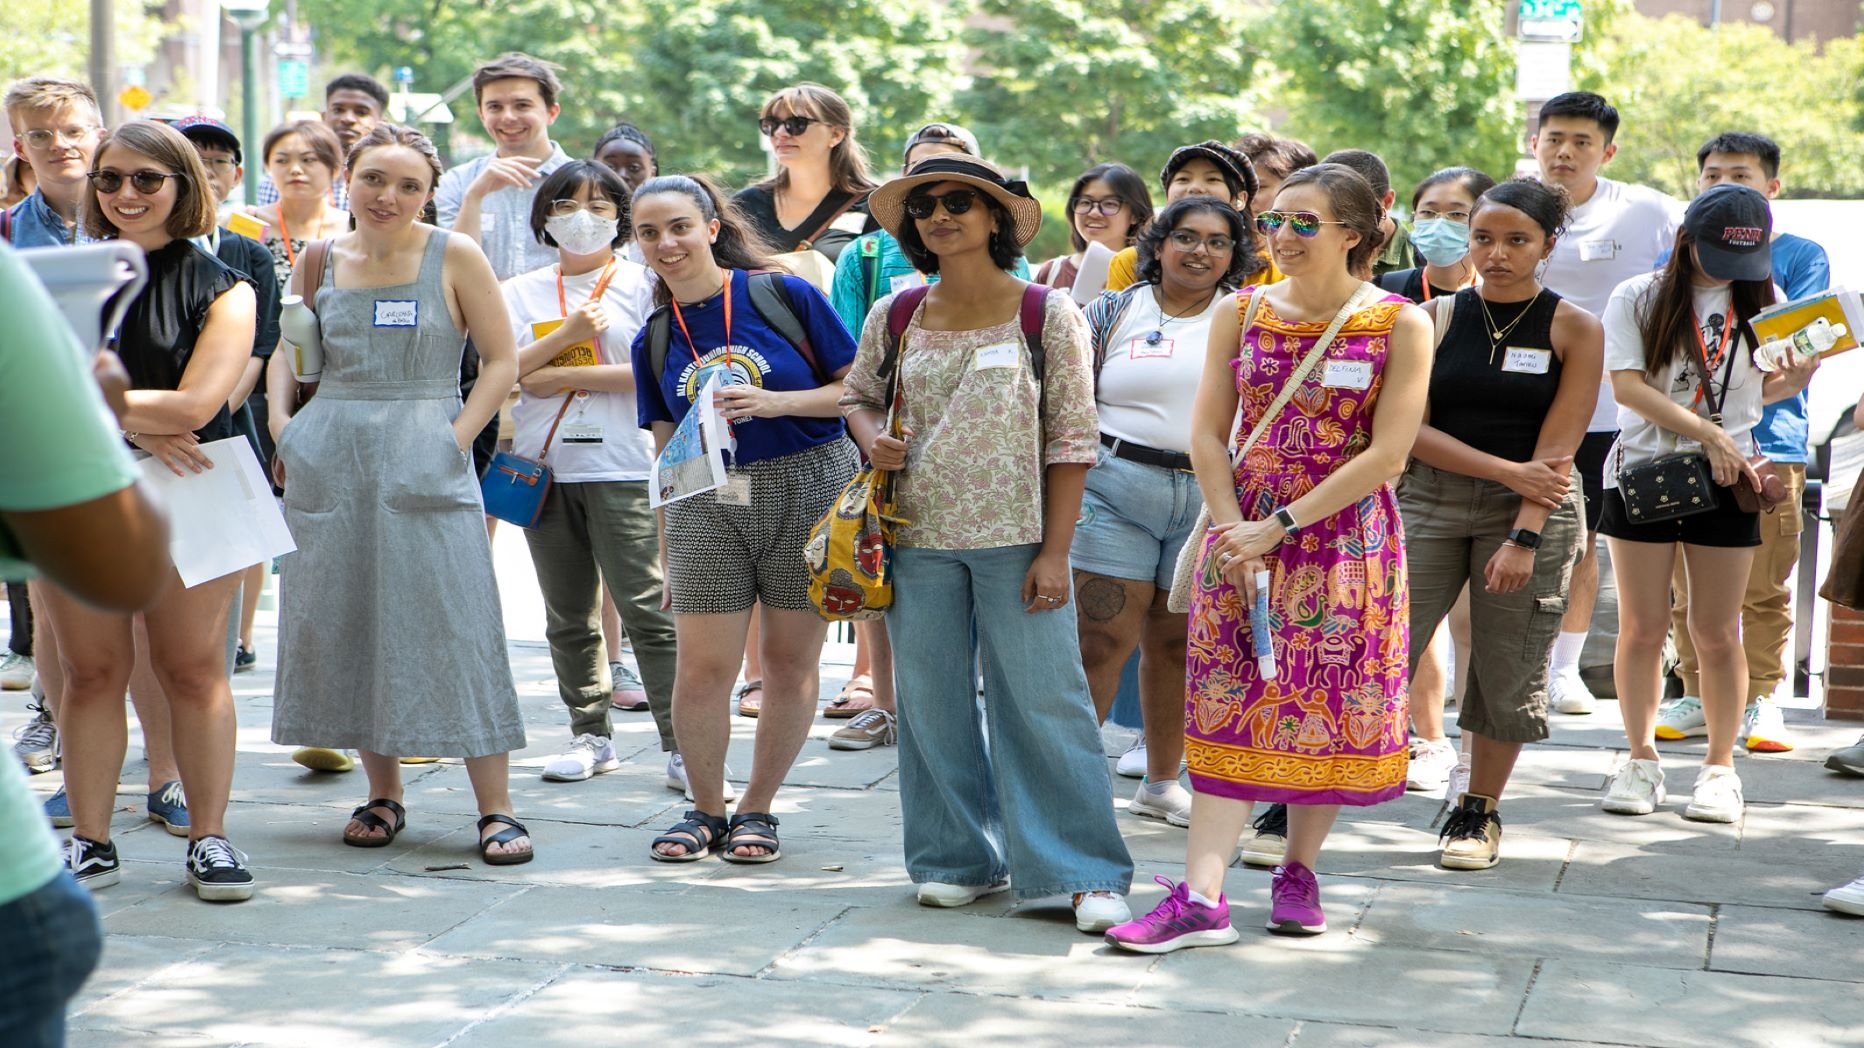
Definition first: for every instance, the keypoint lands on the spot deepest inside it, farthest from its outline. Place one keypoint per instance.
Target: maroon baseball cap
(1733, 229)
(205, 130)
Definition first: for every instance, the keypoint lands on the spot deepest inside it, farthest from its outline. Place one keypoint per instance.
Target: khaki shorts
(1453, 524)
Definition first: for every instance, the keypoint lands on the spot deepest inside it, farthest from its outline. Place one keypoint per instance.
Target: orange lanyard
(725, 275)
(284, 233)
(1474, 281)
(601, 285)
(1721, 348)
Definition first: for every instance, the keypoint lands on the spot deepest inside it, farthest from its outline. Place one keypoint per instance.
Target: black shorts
(1589, 460)
(1727, 525)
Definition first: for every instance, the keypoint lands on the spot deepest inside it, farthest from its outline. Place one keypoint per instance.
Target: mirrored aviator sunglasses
(956, 201)
(1306, 224)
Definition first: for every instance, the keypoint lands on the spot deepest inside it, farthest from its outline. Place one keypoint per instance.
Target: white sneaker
(1717, 796)
(588, 755)
(1847, 898)
(1173, 803)
(1637, 789)
(15, 670)
(1763, 730)
(938, 893)
(1459, 777)
(676, 777)
(1431, 764)
(1132, 763)
(1568, 693)
(1681, 719)
(1095, 912)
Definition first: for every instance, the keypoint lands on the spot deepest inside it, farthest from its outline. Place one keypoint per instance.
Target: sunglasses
(145, 181)
(956, 202)
(1305, 224)
(791, 125)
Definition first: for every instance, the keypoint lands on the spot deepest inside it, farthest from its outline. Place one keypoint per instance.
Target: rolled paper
(1259, 629)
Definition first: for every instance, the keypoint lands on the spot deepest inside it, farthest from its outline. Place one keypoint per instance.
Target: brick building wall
(1796, 20)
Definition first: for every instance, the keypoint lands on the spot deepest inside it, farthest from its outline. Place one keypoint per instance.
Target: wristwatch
(1286, 519)
(1524, 538)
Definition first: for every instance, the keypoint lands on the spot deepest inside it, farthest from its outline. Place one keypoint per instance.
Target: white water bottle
(301, 330)
(1810, 341)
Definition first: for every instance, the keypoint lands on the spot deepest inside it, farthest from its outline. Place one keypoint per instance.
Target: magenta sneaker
(1295, 902)
(1176, 923)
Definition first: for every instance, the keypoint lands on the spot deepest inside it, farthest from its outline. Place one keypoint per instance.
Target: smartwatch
(1524, 538)
(1286, 520)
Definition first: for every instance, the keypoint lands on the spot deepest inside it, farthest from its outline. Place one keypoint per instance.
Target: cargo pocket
(1543, 625)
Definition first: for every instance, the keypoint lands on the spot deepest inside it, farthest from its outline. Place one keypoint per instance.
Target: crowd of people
(1290, 437)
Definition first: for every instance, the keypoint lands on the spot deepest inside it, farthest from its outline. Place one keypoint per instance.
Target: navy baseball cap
(205, 130)
(1733, 229)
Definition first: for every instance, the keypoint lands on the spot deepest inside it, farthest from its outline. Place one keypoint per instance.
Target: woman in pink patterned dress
(1312, 505)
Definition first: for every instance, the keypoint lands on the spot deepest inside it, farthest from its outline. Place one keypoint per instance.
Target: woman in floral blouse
(997, 441)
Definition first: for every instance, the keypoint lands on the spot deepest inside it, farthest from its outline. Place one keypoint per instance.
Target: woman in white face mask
(574, 323)
(1440, 209)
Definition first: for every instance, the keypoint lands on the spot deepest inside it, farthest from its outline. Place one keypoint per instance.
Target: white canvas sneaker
(1637, 789)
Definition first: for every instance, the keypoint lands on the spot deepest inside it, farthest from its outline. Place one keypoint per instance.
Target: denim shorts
(1134, 520)
(49, 942)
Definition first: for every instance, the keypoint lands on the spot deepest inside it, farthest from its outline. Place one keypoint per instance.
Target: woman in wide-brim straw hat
(996, 401)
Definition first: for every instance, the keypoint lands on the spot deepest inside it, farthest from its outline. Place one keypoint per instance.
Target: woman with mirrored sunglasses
(185, 340)
(991, 461)
(1141, 500)
(817, 199)
(1107, 205)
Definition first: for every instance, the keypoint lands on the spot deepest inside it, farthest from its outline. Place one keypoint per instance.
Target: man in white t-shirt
(1617, 231)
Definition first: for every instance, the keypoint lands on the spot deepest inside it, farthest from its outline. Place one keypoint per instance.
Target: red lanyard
(601, 285)
(725, 275)
(1721, 348)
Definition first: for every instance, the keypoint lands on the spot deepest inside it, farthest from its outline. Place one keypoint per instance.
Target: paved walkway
(1595, 929)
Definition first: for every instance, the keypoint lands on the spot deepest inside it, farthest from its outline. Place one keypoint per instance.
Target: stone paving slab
(952, 1018)
(1329, 1035)
(1774, 942)
(1672, 1008)
(1769, 873)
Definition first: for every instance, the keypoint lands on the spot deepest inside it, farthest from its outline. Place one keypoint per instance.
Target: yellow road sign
(135, 97)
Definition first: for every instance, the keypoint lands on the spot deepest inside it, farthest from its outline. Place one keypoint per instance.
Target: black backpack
(770, 297)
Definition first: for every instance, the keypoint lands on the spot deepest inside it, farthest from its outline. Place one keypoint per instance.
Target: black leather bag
(1673, 486)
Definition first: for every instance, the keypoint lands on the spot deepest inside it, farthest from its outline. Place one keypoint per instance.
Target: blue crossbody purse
(514, 487)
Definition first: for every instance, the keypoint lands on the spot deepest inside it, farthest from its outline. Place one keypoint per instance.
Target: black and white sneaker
(94, 864)
(217, 870)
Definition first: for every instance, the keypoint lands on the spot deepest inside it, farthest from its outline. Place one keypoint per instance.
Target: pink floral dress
(1331, 728)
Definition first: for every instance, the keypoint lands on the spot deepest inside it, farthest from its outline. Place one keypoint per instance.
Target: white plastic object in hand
(1810, 341)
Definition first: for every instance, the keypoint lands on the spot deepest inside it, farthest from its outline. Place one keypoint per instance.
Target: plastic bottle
(301, 330)
(1809, 341)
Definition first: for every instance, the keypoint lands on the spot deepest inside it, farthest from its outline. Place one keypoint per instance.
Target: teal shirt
(61, 441)
(856, 287)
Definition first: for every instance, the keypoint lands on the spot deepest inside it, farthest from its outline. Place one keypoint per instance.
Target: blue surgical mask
(1441, 241)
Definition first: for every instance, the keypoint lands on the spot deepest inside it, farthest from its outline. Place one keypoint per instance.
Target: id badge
(1140, 349)
(397, 312)
(1001, 355)
(1347, 374)
(736, 491)
(1527, 361)
(582, 433)
(1598, 250)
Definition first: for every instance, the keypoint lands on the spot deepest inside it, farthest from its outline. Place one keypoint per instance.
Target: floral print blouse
(981, 432)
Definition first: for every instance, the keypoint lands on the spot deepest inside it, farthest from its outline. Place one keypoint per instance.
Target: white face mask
(582, 233)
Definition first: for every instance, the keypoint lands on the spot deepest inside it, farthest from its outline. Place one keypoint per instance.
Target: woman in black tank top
(1490, 499)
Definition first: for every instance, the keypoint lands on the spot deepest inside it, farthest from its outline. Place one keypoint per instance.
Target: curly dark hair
(1245, 258)
(1003, 249)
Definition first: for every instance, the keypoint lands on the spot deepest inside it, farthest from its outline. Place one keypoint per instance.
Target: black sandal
(516, 831)
(372, 821)
(752, 829)
(686, 834)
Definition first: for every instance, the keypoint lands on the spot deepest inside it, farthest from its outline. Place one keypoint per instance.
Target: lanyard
(725, 275)
(1475, 280)
(601, 285)
(1711, 362)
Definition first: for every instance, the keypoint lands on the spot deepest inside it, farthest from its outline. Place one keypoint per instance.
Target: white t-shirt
(1620, 232)
(1146, 391)
(600, 439)
(1642, 440)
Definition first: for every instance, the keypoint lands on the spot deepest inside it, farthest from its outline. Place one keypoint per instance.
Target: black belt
(1131, 452)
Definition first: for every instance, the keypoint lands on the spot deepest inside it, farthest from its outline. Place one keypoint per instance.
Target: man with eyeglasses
(56, 127)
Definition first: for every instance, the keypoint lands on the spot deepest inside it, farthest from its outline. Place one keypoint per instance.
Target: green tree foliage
(1677, 83)
(1425, 84)
(1061, 85)
(53, 38)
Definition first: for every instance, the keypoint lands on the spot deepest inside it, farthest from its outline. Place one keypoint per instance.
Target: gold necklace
(1498, 334)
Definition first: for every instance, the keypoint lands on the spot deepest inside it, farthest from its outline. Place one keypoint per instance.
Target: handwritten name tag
(1597, 250)
(1527, 361)
(1001, 355)
(1347, 374)
(397, 312)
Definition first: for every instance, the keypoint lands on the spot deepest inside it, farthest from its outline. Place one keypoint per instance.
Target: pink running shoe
(1176, 923)
(1295, 902)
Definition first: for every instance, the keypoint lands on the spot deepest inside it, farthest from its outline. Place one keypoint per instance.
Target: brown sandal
(750, 696)
(855, 699)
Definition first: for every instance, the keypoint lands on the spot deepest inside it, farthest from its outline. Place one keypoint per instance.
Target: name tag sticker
(906, 280)
(582, 433)
(1597, 250)
(1347, 374)
(1140, 349)
(397, 312)
(1527, 361)
(1001, 355)
(736, 491)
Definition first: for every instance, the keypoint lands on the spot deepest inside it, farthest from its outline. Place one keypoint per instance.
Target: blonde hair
(847, 160)
(193, 214)
(39, 94)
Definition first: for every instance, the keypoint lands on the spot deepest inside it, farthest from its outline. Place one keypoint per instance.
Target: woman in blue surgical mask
(1440, 209)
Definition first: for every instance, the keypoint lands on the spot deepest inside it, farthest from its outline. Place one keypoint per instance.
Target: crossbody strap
(568, 399)
(1728, 370)
(1300, 373)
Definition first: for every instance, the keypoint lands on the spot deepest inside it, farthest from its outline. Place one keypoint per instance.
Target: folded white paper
(220, 520)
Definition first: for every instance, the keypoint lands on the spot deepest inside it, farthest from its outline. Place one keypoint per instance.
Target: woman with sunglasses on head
(1491, 502)
(1323, 378)
(184, 340)
(575, 323)
(740, 545)
(1148, 345)
(381, 498)
(1108, 205)
(995, 446)
(817, 200)
(1679, 349)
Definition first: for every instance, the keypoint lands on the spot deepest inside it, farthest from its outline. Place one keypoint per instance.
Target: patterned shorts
(721, 559)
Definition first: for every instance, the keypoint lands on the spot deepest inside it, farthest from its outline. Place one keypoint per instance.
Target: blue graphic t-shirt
(758, 356)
